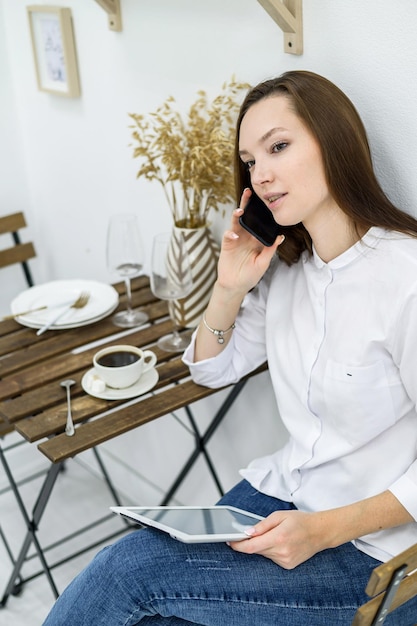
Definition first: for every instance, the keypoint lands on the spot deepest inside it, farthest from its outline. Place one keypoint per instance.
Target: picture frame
(54, 52)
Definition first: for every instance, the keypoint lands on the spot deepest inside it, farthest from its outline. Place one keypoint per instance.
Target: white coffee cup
(122, 366)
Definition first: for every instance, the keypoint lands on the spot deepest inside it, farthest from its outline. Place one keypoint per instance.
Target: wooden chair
(19, 252)
(389, 587)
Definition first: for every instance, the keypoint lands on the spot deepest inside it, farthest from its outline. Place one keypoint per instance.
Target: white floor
(78, 498)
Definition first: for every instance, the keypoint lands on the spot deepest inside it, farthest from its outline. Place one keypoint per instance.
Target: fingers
(238, 228)
(252, 545)
(256, 541)
(240, 209)
(230, 236)
(235, 225)
(235, 216)
(238, 231)
(245, 197)
(278, 241)
(267, 524)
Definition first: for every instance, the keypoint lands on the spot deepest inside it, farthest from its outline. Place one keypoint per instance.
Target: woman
(333, 307)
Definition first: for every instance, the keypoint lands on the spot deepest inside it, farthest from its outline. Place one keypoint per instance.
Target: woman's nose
(261, 173)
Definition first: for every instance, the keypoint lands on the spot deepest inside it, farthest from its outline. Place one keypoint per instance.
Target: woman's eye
(249, 164)
(279, 146)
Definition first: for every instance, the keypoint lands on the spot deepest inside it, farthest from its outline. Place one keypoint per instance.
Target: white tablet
(193, 524)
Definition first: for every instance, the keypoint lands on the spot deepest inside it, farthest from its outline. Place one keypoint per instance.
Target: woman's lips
(273, 200)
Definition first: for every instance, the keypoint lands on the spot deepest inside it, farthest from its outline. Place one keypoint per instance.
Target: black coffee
(118, 359)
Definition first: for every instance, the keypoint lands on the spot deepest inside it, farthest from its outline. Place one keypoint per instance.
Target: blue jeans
(149, 578)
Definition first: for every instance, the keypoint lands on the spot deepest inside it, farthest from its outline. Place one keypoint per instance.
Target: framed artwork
(54, 50)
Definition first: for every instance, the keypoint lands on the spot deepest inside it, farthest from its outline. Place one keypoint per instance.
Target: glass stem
(129, 296)
(176, 335)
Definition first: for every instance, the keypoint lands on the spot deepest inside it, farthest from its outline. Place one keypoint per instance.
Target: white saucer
(146, 382)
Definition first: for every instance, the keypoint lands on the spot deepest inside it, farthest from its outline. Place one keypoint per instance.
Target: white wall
(68, 165)
(14, 192)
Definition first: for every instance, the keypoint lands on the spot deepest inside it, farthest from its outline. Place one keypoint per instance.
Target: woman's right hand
(242, 263)
(243, 259)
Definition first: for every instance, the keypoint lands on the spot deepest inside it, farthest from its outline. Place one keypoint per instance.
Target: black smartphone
(258, 220)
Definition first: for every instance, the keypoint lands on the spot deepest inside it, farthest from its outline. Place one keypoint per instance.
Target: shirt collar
(369, 240)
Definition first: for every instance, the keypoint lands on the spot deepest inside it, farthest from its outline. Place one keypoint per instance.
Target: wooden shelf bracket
(114, 15)
(288, 14)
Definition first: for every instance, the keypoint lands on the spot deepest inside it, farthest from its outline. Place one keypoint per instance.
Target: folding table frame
(33, 519)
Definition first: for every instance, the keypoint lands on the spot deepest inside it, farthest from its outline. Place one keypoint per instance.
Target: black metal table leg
(201, 442)
(31, 525)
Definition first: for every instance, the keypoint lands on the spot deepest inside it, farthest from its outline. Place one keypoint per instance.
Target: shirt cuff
(405, 490)
(209, 372)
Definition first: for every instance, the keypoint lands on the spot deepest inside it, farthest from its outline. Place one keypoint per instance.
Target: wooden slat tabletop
(31, 367)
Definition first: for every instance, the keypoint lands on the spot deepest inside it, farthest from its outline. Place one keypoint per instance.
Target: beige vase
(203, 252)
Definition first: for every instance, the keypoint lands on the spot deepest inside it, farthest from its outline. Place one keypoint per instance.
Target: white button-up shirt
(341, 343)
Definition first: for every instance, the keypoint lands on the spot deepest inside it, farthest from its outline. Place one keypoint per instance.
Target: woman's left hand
(291, 537)
(286, 537)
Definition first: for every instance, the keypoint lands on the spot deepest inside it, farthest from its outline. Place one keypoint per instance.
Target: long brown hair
(333, 120)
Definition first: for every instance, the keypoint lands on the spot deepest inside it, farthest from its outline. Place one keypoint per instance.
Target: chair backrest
(19, 252)
(389, 586)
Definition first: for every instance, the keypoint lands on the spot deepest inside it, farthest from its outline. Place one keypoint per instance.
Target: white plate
(146, 382)
(103, 300)
(68, 326)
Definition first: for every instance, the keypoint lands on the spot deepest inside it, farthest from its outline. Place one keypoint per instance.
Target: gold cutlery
(39, 308)
(13, 315)
(80, 302)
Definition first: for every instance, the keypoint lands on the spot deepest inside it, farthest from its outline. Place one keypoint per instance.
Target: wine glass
(125, 258)
(171, 279)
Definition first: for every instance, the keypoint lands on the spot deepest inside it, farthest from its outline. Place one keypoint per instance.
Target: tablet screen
(218, 523)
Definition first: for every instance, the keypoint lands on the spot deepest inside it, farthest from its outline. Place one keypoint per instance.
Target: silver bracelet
(218, 333)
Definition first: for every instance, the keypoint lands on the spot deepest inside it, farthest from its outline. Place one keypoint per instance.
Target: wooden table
(33, 403)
